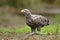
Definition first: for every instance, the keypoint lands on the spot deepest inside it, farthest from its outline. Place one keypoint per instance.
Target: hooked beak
(22, 11)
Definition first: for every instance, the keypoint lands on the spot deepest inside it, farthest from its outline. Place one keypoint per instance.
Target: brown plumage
(35, 21)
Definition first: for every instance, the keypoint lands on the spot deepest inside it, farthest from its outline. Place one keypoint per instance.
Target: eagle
(35, 22)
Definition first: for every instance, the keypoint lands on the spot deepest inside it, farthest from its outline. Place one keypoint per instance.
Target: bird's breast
(31, 23)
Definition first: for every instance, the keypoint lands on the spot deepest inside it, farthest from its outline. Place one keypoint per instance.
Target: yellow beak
(22, 11)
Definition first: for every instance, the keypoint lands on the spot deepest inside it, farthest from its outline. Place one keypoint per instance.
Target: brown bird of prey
(35, 21)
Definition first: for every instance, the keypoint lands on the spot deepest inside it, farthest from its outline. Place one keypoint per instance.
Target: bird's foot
(32, 33)
(37, 33)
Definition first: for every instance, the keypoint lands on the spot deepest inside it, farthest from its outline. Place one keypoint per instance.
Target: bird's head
(25, 11)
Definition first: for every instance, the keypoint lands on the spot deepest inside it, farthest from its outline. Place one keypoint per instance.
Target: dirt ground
(14, 36)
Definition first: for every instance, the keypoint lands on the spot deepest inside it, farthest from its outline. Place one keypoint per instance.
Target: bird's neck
(28, 15)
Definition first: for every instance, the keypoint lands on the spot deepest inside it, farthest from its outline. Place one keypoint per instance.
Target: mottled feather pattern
(35, 21)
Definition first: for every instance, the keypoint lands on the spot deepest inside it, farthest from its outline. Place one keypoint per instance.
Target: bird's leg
(32, 30)
(38, 29)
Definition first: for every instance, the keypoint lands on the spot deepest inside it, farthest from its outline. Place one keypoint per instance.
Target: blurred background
(11, 17)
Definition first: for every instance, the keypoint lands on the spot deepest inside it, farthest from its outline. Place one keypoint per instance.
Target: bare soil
(14, 36)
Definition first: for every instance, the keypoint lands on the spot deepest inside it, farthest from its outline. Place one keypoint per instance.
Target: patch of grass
(5, 30)
(49, 29)
(23, 30)
(17, 30)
